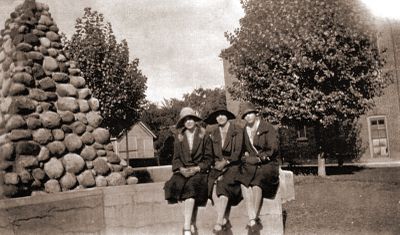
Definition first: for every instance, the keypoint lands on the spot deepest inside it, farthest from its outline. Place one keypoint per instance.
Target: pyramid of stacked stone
(50, 134)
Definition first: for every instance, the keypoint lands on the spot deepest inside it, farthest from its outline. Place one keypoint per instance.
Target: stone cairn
(50, 134)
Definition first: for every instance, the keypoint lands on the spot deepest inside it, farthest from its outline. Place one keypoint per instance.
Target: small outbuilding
(135, 143)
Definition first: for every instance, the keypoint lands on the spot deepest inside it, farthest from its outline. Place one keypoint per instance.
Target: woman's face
(250, 118)
(189, 123)
(222, 119)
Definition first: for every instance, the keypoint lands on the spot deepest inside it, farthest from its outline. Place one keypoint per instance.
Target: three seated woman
(227, 163)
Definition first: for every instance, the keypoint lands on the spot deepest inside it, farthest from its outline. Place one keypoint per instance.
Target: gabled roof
(143, 126)
(146, 128)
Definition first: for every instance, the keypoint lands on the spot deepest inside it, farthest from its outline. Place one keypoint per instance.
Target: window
(302, 133)
(378, 137)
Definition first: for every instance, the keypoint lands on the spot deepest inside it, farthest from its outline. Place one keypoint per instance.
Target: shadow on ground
(330, 170)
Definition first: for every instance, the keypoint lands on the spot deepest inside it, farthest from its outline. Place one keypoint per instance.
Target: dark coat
(199, 156)
(178, 187)
(231, 151)
(265, 174)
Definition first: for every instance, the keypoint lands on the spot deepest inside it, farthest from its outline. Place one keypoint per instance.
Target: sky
(178, 42)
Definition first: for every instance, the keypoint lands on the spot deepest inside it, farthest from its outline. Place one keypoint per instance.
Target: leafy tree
(311, 62)
(205, 101)
(161, 120)
(114, 80)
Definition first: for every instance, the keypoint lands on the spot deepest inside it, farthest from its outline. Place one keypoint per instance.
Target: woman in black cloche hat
(226, 144)
(259, 171)
(190, 166)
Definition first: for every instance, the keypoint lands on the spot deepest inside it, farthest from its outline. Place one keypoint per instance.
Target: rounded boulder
(101, 135)
(54, 168)
(50, 119)
(52, 186)
(73, 163)
(73, 142)
(15, 122)
(101, 181)
(56, 148)
(87, 138)
(94, 119)
(115, 179)
(88, 153)
(100, 166)
(42, 136)
(68, 181)
(86, 179)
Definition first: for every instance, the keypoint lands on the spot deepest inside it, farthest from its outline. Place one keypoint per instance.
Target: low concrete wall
(155, 173)
(163, 173)
(130, 209)
(80, 212)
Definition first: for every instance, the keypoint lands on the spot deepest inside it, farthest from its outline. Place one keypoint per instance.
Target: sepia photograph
(201, 117)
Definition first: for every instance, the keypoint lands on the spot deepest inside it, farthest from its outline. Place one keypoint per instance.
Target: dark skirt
(180, 188)
(266, 176)
(226, 184)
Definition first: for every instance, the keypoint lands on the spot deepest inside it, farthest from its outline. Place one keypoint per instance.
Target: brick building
(380, 127)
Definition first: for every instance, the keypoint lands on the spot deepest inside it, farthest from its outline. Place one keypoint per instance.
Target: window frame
(299, 131)
(369, 122)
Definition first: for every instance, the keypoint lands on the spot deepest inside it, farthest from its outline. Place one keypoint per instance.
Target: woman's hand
(185, 172)
(253, 160)
(189, 171)
(219, 165)
(195, 169)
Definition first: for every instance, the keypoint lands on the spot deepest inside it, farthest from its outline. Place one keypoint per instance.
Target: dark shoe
(218, 231)
(255, 226)
(259, 224)
(227, 225)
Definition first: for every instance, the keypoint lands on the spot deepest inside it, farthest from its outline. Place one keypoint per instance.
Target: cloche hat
(246, 108)
(212, 117)
(186, 112)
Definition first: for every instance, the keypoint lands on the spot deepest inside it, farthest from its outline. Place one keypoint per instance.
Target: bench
(271, 212)
(128, 209)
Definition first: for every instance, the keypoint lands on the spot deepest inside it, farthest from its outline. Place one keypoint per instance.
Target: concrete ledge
(156, 173)
(150, 213)
(60, 213)
(163, 173)
(128, 209)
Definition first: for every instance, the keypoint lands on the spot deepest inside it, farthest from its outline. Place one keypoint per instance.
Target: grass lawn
(348, 201)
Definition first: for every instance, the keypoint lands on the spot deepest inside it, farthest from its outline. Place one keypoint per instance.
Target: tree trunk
(321, 165)
(320, 133)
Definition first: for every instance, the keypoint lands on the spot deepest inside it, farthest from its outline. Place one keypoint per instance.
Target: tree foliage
(114, 80)
(306, 61)
(161, 120)
(205, 101)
